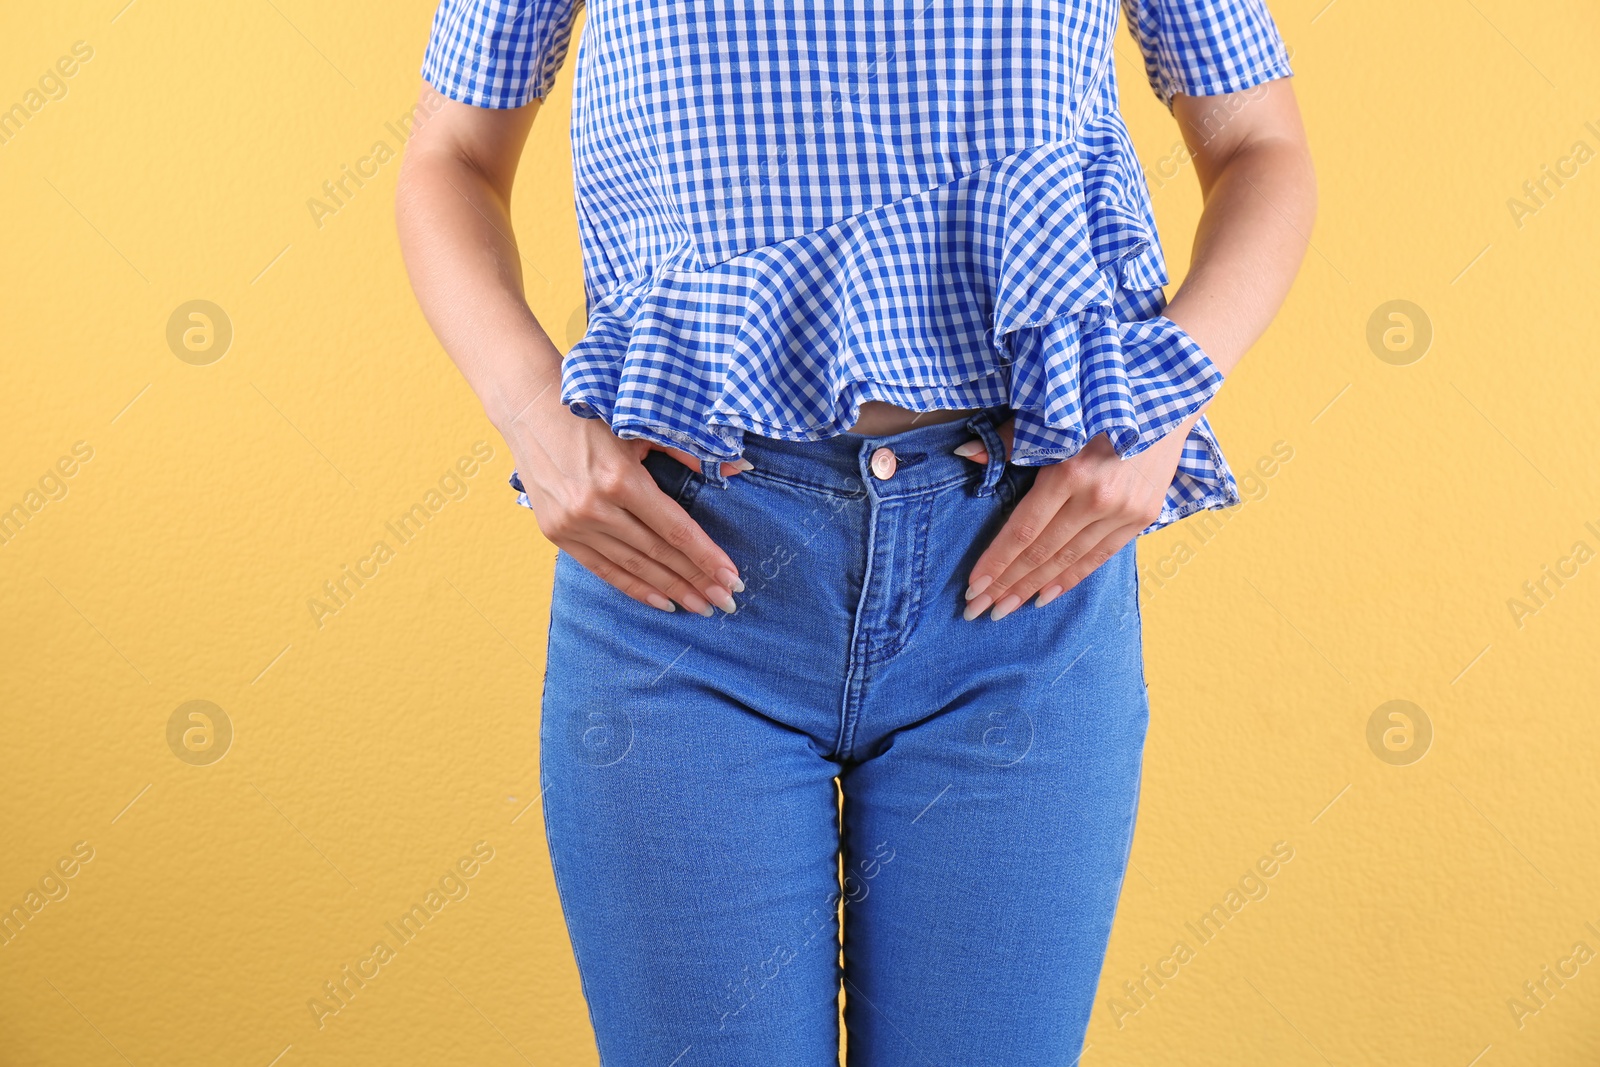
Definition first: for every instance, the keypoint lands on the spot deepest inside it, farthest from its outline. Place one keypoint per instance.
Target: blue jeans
(989, 773)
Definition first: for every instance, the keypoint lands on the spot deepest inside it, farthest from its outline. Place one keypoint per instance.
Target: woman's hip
(855, 553)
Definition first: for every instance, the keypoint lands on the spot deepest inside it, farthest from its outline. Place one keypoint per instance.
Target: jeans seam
(860, 650)
(919, 545)
(855, 494)
(691, 490)
(1138, 622)
(800, 483)
(561, 901)
(919, 549)
(544, 814)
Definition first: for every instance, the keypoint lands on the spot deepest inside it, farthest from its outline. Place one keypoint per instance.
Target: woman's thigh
(987, 828)
(990, 774)
(694, 842)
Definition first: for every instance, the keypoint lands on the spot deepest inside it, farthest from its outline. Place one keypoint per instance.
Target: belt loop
(983, 424)
(711, 469)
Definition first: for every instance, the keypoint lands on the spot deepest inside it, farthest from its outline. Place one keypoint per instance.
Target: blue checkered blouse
(786, 209)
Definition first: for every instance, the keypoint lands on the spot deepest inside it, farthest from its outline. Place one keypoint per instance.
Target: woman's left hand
(1077, 514)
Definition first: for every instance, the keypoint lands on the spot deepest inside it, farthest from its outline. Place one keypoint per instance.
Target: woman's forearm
(456, 237)
(589, 490)
(1260, 202)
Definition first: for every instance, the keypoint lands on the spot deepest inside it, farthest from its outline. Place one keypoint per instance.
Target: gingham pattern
(1205, 49)
(788, 211)
(498, 53)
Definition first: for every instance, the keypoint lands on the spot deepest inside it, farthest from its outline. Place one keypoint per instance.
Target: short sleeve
(498, 53)
(1206, 47)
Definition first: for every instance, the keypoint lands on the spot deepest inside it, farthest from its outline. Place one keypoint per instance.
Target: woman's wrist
(517, 419)
(527, 431)
(520, 403)
(1206, 326)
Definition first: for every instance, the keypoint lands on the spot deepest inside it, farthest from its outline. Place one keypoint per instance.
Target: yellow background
(370, 754)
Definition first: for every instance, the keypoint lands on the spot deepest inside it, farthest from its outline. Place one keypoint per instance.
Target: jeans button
(883, 464)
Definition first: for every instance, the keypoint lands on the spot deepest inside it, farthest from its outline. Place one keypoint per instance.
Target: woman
(877, 353)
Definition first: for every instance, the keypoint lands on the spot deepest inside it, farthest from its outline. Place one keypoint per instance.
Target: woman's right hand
(594, 499)
(589, 489)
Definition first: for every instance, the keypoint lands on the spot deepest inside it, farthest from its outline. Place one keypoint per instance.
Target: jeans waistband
(923, 458)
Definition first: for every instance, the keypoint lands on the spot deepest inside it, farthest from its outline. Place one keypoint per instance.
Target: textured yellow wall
(189, 495)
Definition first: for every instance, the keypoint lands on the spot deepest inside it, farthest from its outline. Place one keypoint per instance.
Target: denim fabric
(989, 773)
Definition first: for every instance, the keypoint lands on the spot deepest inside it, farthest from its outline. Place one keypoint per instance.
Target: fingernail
(744, 464)
(1011, 603)
(659, 601)
(706, 611)
(1049, 594)
(722, 599)
(730, 579)
(976, 608)
(970, 449)
(979, 585)
(695, 604)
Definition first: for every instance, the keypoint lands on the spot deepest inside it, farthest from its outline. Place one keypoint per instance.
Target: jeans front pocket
(1014, 483)
(673, 478)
